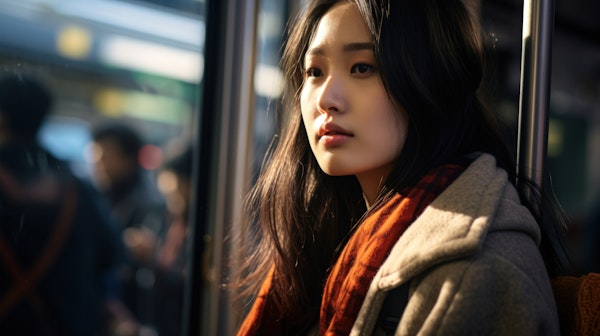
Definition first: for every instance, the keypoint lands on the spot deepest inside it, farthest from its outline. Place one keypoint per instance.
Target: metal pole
(222, 170)
(536, 60)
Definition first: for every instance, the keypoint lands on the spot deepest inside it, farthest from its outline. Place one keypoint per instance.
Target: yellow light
(74, 42)
(109, 102)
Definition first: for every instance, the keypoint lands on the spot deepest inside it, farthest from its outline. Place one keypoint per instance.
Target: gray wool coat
(472, 265)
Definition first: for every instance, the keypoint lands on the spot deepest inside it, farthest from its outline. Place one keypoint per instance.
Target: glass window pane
(125, 78)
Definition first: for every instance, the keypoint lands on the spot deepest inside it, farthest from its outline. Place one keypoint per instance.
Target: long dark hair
(431, 60)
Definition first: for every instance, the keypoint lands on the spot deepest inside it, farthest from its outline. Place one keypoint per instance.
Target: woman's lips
(331, 140)
(333, 135)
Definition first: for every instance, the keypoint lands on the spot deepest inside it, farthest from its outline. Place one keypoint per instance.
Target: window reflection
(135, 65)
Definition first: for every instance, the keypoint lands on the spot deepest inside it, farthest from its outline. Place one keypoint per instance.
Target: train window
(126, 79)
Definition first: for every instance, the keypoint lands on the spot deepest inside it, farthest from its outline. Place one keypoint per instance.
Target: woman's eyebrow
(357, 46)
(349, 47)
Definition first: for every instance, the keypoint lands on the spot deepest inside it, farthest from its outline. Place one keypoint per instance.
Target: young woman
(389, 180)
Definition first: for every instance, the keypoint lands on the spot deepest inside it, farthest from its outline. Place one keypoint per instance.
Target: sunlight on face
(352, 125)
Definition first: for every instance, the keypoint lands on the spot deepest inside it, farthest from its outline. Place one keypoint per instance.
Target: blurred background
(197, 79)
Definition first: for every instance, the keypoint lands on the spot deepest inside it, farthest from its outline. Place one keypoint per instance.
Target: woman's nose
(331, 97)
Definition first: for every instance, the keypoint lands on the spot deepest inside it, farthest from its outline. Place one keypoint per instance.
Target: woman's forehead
(341, 26)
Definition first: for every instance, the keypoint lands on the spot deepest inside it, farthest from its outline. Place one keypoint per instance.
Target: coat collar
(453, 226)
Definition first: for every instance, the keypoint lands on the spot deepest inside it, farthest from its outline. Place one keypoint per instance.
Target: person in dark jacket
(136, 204)
(57, 244)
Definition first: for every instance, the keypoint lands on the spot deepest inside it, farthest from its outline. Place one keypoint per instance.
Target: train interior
(152, 65)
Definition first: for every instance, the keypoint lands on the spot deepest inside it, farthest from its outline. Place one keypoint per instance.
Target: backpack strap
(393, 308)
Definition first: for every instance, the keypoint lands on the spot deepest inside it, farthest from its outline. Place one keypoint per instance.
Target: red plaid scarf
(363, 255)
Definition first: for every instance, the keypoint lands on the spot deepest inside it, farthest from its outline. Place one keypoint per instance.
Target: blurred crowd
(98, 256)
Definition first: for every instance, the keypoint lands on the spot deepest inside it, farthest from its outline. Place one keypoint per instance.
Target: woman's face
(352, 125)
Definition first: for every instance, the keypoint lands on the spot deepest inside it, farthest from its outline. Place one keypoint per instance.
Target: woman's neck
(371, 182)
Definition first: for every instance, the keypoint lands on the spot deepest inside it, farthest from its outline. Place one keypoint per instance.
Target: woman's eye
(313, 72)
(362, 69)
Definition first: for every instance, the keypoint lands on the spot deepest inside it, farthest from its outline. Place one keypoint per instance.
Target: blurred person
(57, 245)
(175, 182)
(138, 207)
